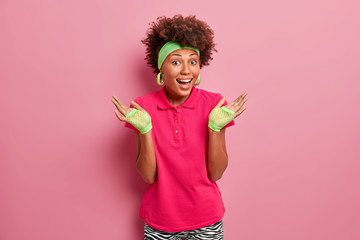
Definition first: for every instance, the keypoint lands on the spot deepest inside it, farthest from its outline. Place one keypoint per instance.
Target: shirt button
(176, 131)
(178, 110)
(176, 120)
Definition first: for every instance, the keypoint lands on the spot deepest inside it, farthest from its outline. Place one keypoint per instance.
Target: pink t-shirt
(182, 197)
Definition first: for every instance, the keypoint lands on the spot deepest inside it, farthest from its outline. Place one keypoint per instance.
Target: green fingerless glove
(219, 118)
(140, 119)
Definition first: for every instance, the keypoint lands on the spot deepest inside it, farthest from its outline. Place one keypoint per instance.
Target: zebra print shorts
(211, 232)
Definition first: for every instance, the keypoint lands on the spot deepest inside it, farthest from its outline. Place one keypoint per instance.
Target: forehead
(183, 52)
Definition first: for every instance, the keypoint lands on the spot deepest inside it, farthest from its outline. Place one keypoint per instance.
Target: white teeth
(185, 81)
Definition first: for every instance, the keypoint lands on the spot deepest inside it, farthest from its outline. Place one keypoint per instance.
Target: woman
(180, 134)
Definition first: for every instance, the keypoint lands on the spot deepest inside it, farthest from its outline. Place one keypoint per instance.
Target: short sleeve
(218, 98)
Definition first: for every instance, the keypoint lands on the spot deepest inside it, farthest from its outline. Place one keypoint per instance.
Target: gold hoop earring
(198, 80)
(160, 82)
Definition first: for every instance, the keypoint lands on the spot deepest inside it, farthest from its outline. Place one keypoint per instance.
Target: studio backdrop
(67, 164)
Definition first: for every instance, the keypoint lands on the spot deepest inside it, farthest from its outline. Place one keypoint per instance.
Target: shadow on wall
(132, 185)
(144, 79)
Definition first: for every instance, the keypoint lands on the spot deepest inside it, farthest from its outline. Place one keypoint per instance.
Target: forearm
(217, 160)
(146, 160)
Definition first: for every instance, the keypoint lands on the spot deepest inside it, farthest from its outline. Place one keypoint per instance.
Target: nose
(185, 70)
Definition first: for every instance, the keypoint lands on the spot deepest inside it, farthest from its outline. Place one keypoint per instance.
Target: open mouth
(184, 81)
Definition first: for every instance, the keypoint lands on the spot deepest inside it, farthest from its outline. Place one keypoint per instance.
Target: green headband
(168, 48)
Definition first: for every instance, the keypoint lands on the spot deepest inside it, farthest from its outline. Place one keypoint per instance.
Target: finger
(220, 103)
(242, 102)
(240, 98)
(115, 99)
(135, 105)
(120, 106)
(117, 105)
(236, 102)
(235, 106)
(239, 112)
(121, 118)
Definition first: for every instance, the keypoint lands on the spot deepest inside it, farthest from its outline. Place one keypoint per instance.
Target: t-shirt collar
(189, 103)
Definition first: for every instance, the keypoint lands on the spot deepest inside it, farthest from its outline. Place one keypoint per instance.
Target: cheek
(196, 70)
(196, 73)
(168, 76)
(170, 72)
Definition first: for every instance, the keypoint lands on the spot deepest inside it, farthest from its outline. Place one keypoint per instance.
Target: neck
(176, 100)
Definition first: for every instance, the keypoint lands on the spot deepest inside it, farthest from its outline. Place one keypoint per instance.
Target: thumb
(135, 105)
(220, 103)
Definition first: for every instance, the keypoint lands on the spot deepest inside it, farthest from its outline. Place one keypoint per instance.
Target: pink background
(67, 168)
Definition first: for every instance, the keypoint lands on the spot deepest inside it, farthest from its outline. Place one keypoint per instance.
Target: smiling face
(180, 69)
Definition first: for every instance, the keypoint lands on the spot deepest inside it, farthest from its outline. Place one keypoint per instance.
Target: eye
(176, 62)
(193, 62)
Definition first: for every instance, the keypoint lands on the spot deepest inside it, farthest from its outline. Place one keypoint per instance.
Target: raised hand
(237, 105)
(221, 116)
(136, 116)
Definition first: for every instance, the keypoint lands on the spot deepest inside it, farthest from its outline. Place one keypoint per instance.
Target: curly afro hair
(187, 31)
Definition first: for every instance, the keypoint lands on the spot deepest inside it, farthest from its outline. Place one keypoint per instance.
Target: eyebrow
(176, 54)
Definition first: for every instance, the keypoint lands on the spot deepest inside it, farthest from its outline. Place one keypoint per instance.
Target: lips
(184, 83)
